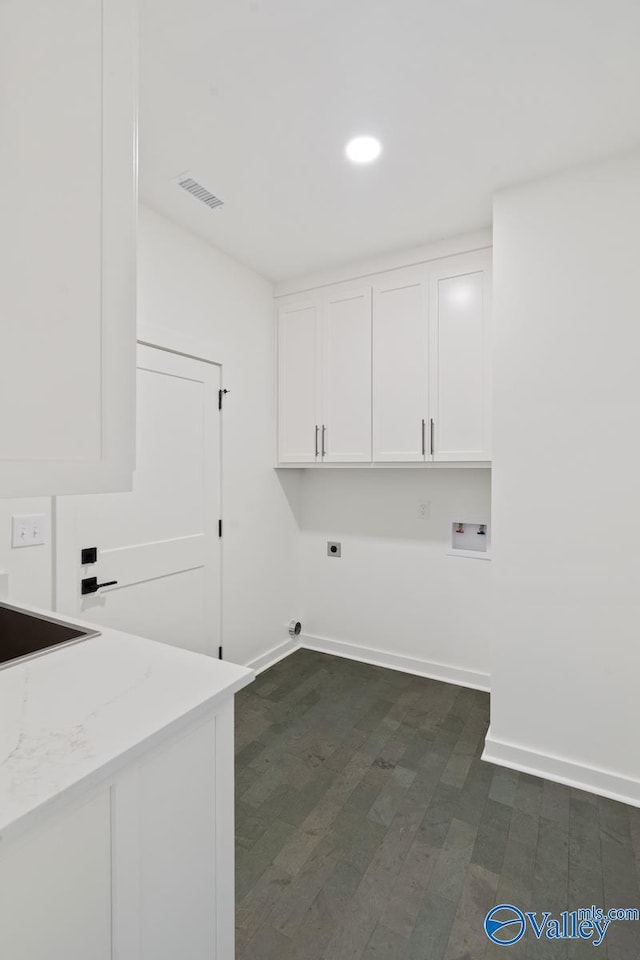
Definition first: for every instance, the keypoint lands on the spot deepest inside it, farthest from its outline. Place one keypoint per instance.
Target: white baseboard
(602, 782)
(396, 661)
(272, 656)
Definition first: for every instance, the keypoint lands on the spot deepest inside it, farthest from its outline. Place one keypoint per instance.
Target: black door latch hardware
(91, 585)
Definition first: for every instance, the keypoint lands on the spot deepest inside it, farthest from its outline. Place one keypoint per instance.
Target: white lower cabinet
(396, 371)
(142, 868)
(177, 850)
(55, 888)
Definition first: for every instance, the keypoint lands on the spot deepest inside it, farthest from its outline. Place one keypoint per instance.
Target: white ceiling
(257, 99)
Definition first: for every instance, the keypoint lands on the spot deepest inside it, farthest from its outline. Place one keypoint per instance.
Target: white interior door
(346, 376)
(159, 542)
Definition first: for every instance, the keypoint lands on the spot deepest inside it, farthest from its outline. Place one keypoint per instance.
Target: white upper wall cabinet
(324, 377)
(460, 358)
(400, 366)
(398, 371)
(67, 245)
(299, 339)
(346, 377)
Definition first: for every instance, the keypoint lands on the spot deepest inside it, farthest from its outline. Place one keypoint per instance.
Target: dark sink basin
(24, 635)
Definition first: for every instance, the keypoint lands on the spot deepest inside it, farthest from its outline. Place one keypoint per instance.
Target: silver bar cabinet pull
(424, 450)
(324, 430)
(317, 428)
(431, 437)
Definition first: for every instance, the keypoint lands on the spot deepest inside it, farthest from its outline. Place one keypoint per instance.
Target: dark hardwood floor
(368, 826)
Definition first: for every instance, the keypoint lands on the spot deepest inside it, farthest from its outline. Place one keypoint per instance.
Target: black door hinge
(221, 394)
(219, 653)
(219, 528)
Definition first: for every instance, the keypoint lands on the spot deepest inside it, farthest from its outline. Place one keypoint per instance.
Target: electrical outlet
(28, 531)
(334, 549)
(424, 510)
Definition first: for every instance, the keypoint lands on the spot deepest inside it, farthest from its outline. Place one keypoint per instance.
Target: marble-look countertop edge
(107, 772)
(57, 746)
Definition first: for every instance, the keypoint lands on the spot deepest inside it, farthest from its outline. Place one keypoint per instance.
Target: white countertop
(70, 717)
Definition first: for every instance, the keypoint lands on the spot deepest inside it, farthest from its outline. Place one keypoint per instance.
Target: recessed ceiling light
(363, 149)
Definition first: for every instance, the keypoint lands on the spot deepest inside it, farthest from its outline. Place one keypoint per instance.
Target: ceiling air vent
(187, 182)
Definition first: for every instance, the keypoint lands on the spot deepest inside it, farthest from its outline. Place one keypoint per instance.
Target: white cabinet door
(400, 366)
(178, 849)
(55, 888)
(67, 246)
(173, 847)
(299, 414)
(346, 377)
(460, 352)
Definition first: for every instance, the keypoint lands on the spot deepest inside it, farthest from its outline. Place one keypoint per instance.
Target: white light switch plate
(28, 531)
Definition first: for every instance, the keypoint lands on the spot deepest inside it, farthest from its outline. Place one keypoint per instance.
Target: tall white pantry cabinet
(67, 245)
(393, 368)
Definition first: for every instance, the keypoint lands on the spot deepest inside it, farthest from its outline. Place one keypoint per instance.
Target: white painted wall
(566, 523)
(394, 589)
(187, 286)
(29, 568)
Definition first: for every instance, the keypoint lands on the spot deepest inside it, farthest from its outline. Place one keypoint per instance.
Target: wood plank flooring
(368, 827)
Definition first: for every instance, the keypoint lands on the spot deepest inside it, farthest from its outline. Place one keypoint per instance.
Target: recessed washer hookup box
(470, 538)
